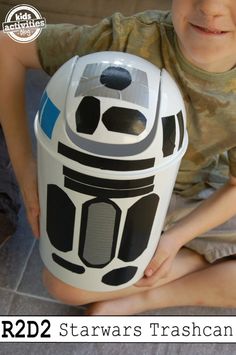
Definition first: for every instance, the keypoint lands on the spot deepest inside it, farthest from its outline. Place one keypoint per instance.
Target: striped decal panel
(99, 231)
(103, 163)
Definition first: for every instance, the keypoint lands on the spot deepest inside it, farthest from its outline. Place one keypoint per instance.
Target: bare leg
(212, 286)
(186, 262)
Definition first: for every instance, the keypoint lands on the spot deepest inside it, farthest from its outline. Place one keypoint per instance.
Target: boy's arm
(15, 58)
(217, 209)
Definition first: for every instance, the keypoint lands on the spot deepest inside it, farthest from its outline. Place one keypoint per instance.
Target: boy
(191, 266)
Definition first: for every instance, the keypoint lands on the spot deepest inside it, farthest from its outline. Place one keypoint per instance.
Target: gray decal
(91, 85)
(116, 150)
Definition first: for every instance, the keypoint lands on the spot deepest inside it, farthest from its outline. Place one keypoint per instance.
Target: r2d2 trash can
(111, 132)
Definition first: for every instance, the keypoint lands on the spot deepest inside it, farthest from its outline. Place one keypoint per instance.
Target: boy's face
(206, 31)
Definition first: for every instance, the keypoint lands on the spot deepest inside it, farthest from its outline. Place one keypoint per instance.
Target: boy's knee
(62, 291)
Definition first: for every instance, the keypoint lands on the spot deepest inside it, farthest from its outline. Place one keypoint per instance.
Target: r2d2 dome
(111, 133)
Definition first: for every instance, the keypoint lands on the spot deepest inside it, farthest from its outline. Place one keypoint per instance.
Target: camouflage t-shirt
(210, 98)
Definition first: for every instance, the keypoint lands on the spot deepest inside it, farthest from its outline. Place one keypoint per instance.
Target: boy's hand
(28, 185)
(161, 263)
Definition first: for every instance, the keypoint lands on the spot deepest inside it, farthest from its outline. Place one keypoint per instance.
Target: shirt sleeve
(60, 42)
(232, 161)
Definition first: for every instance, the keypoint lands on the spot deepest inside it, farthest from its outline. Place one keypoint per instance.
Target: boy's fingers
(155, 264)
(33, 217)
(32, 208)
(162, 272)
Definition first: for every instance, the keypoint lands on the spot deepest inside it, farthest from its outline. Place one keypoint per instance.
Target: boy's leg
(186, 262)
(9, 194)
(192, 281)
(213, 286)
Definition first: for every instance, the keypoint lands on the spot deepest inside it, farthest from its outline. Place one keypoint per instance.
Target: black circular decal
(116, 78)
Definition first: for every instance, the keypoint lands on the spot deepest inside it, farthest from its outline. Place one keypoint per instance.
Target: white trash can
(111, 132)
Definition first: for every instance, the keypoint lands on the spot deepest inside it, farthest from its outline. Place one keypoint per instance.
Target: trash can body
(111, 132)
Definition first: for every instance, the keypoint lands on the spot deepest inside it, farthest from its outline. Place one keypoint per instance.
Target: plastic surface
(111, 132)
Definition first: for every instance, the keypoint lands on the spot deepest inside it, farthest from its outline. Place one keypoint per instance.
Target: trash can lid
(112, 109)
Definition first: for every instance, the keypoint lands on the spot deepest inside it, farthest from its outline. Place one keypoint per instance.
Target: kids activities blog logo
(23, 23)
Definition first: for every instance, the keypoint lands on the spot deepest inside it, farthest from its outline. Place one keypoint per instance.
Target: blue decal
(48, 115)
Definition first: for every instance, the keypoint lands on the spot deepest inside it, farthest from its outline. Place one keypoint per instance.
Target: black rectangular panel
(105, 193)
(107, 183)
(104, 163)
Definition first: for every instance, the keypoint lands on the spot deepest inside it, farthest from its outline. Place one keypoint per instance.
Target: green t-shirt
(210, 98)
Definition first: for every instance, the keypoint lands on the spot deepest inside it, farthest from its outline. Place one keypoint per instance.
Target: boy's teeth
(211, 31)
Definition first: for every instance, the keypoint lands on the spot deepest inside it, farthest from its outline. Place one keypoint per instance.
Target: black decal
(103, 163)
(137, 229)
(110, 193)
(113, 184)
(181, 128)
(77, 269)
(169, 133)
(87, 115)
(119, 276)
(116, 78)
(124, 120)
(99, 231)
(60, 218)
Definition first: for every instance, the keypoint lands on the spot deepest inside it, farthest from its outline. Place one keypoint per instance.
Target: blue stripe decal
(48, 116)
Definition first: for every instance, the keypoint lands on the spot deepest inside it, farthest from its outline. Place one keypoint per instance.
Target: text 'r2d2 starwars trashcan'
(111, 133)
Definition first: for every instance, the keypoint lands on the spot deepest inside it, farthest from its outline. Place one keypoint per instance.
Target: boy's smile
(209, 31)
(206, 31)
